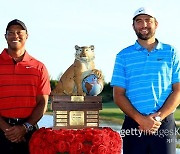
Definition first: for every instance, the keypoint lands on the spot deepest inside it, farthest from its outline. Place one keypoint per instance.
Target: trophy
(75, 100)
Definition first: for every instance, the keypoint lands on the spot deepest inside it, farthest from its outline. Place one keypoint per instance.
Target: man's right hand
(149, 124)
(15, 133)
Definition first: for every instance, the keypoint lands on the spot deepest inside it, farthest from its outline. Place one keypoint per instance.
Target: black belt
(15, 121)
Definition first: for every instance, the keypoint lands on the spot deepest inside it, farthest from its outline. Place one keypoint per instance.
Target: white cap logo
(144, 10)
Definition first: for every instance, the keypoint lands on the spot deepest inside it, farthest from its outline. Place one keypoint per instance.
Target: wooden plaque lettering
(76, 111)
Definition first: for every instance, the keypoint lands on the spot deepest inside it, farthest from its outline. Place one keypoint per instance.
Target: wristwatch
(157, 118)
(28, 126)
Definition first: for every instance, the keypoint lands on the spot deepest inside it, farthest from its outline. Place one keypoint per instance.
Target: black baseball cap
(16, 22)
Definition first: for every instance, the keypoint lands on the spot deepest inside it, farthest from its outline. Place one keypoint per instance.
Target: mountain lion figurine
(70, 82)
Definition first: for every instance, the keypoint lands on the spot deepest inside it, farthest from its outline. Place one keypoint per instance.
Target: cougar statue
(70, 82)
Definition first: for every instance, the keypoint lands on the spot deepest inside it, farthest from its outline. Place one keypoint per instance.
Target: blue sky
(56, 26)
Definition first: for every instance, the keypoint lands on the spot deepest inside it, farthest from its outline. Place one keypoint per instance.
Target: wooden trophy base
(75, 112)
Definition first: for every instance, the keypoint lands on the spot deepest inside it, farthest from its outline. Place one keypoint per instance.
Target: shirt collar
(139, 47)
(6, 56)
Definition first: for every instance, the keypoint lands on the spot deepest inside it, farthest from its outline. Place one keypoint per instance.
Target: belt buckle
(13, 121)
(10, 121)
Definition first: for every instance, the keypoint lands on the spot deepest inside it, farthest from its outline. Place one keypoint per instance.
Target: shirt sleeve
(176, 67)
(44, 82)
(118, 76)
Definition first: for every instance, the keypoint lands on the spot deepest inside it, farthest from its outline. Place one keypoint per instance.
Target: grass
(112, 113)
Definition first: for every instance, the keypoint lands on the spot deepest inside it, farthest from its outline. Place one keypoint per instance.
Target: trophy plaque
(76, 111)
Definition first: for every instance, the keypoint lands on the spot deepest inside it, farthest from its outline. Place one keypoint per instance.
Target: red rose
(87, 141)
(86, 148)
(76, 148)
(103, 150)
(80, 138)
(62, 146)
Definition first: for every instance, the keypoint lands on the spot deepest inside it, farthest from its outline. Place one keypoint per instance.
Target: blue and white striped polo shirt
(147, 76)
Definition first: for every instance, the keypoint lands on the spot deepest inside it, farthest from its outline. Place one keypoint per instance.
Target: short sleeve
(176, 67)
(118, 76)
(44, 82)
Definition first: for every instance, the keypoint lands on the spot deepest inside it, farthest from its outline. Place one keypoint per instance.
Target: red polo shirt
(20, 83)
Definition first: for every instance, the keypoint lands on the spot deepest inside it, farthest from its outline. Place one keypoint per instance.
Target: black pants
(162, 142)
(8, 147)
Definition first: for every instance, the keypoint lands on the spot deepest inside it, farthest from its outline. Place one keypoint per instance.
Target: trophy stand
(75, 112)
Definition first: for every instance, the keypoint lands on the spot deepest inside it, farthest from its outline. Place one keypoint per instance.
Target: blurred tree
(107, 93)
(53, 84)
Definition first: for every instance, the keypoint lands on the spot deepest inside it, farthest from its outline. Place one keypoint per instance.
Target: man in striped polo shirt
(146, 87)
(24, 91)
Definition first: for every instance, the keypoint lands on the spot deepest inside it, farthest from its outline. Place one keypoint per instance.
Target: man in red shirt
(24, 91)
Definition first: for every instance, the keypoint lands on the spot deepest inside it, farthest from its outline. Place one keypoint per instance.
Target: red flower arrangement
(81, 141)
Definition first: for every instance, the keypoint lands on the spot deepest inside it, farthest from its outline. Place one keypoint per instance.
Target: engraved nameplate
(61, 120)
(61, 112)
(92, 116)
(61, 116)
(92, 112)
(61, 124)
(92, 124)
(77, 98)
(76, 118)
